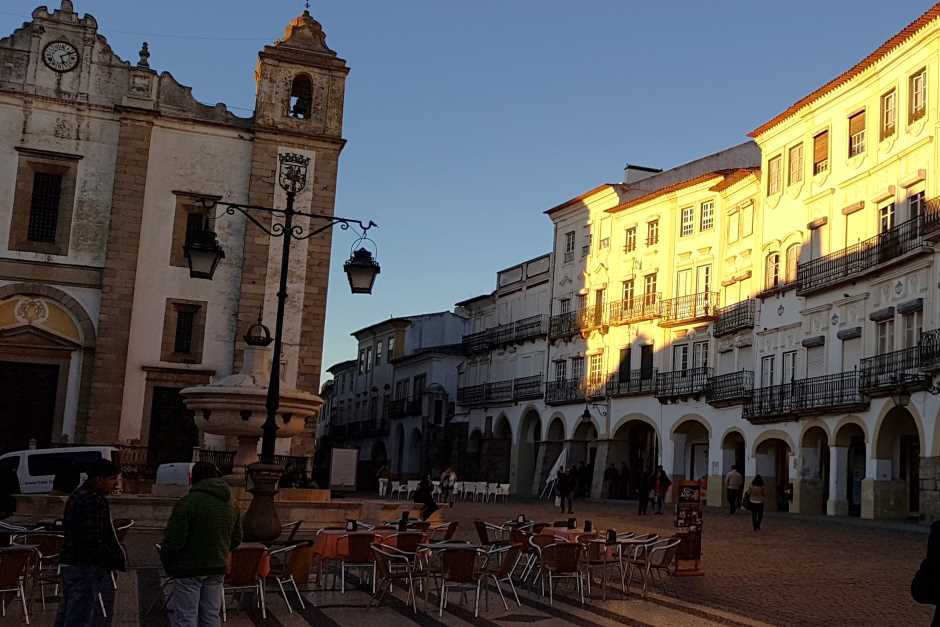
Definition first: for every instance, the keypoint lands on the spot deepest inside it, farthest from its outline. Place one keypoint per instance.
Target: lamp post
(203, 254)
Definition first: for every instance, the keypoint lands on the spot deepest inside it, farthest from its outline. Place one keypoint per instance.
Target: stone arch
(682, 422)
(527, 451)
(634, 448)
(85, 324)
(733, 451)
(556, 429)
(850, 439)
(772, 452)
(896, 452)
(851, 419)
(502, 430)
(642, 418)
(772, 434)
(887, 409)
(814, 424)
(690, 440)
(300, 103)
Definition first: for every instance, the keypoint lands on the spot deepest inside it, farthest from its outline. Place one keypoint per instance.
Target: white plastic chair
(436, 492)
(398, 488)
(502, 491)
(492, 491)
(383, 487)
(411, 488)
(481, 491)
(458, 490)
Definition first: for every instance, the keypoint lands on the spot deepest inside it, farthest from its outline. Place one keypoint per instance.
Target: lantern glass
(361, 269)
(203, 254)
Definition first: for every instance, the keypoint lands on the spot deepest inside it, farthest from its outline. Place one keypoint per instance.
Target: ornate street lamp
(203, 255)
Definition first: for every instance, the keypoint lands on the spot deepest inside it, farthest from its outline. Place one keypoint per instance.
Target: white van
(36, 468)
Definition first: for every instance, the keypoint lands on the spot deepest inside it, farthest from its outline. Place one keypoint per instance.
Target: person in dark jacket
(643, 495)
(565, 484)
(925, 587)
(90, 551)
(9, 485)
(658, 487)
(425, 496)
(204, 528)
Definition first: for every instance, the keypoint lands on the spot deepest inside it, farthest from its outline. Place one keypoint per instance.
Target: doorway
(173, 432)
(28, 394)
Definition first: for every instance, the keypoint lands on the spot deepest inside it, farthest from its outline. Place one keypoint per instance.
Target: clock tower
(299, 108)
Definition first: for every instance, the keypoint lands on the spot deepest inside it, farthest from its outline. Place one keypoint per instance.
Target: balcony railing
(486, 393)
(688, 382)
(636, 309)
(930, 349)
(499, 391)
(396, 408)
(526, 388)
(730, 389)
(634, 382)
(851, 263)
(689, 308)
(882, 374)
(592, 317)
(478, 342)
(736, 317)
(223, 460)
(931, 219)
(529, 328)
(518, 331)
(564, 391)
(563, 325)
(832, 393)
(569, 256)
(414, 406)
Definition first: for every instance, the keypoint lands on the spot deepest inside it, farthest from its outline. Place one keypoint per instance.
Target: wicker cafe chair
(48, 570)
(537, 542)
(443, 532)
(245, 572)
(392, 567)
(15, 565)
(460, 570)
(633, 555)
(484, 531)
(500, 565)
(289, 565)
(598, 557)
(659, 560)
(562, 560)
(354, 550)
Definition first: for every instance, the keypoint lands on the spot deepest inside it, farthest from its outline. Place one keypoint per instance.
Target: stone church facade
(103, 163)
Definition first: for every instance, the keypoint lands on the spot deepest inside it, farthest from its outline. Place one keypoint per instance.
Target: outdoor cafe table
(325, 543)
(570, 535)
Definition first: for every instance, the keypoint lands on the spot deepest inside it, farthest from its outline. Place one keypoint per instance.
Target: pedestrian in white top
(734, 482)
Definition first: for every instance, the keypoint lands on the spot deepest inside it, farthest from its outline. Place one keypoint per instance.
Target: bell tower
(301, 86)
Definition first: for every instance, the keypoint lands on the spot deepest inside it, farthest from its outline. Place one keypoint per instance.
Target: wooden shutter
(821, 147)
(857, 123)
(624, 369)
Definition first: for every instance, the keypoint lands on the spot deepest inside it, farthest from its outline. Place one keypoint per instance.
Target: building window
(630, 244)
(378, 353)
(577, 368)
(628, 291)
(596, 370)
(418, 385)
(885, 336)
(734, 224)
(700, 355)
(789, 367)
(767, 371)
(707, 216)
(586, 248)
(44, 208)
(569, 246)
(42, 203)
(886, 218)
(564, 305)
(821, 152)
(688, 222)
(793, 260)
(916, 205)
(652, 232)
(773, 176)
(772, 271)
(913, 327)
(649, 289)
(189, 220)
(680, 357)
(301, 97)
(184, 325)
(857, 134)
(889, 114)
(368, 359)
(795, 158)
(561, 369)
(391, 348)
(362, 361)
(917, 98)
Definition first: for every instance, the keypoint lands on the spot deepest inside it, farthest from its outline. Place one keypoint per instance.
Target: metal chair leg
(284, 594)
(300, 597)
(264, 609)
(476, 605)
(23, 599)
(224, 612)
(500, 591)
(104, 612)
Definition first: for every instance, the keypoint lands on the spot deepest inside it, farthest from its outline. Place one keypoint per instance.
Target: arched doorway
(474, 445)
(897, 462)
(733, 453)
(497, 453)
(400, 451)
(773, 464)
(845, 493)
(549, 451)
(811, 491)
(413, 456)
(527, 454)
(634, 451)
(690, 442)
(583, 456)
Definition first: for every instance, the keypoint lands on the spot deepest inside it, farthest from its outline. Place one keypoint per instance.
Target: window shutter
(857, 123)
(821, 147)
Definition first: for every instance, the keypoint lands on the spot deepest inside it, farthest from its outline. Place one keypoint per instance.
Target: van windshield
(41, 464)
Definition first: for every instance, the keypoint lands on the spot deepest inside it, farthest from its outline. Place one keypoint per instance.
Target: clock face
(60, 56)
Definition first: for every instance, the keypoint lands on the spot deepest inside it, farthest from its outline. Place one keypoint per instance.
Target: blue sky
(467, 119)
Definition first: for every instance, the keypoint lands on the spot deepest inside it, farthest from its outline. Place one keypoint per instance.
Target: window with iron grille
(185, 321)
(44, 209)
(707, 217)
(577, 368)
(688, 222)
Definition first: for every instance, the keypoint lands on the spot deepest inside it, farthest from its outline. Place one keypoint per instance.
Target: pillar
(600, 466)
(807, 485)
(838, 504)
(715, 493)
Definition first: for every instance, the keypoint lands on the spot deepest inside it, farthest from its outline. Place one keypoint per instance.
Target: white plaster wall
(185, 159)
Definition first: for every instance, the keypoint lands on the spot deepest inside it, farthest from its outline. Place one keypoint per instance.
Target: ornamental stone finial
(144, 60)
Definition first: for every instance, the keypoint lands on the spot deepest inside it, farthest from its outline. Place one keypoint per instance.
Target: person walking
(643, 494)
(756, 497)
(203, 529)
(90, 550)
(425, 496)
(611, 477)
(565, 486)
(734, 482)
(659, 486)
(925, 587)
(448, 480)
(624, 489)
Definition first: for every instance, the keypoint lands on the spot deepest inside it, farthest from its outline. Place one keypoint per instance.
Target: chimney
(634, 173)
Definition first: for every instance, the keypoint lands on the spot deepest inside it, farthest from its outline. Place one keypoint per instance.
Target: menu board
(688, 524)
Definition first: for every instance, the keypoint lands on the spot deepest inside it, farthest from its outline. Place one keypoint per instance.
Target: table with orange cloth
(326, 543)
(570, 535)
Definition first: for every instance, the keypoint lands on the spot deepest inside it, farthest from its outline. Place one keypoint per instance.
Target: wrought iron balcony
(526, 388)
(881, 375)
(678, 383)
(632, 383)
(730, 389)
(396, 408)
(931, 219)
(499, 391)
(687, 309)
(563, 325)
(415, 406)
(564, 391)
(826, 394)
(636, 309)
(485, 393)
(593, 317)
(734, 318)
(478, 342)
(471, 395)
(529, 328)
(870, 255)
(773, 403)
(930, 349)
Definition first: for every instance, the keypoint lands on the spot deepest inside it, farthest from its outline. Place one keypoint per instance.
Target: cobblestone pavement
(796, 571)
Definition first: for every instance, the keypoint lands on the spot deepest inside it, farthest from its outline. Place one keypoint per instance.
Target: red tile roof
(671, 188)
(581, 197)
(882, 51)
(734, 177)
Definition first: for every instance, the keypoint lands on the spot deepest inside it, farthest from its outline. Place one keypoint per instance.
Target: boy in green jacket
(203, 529)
